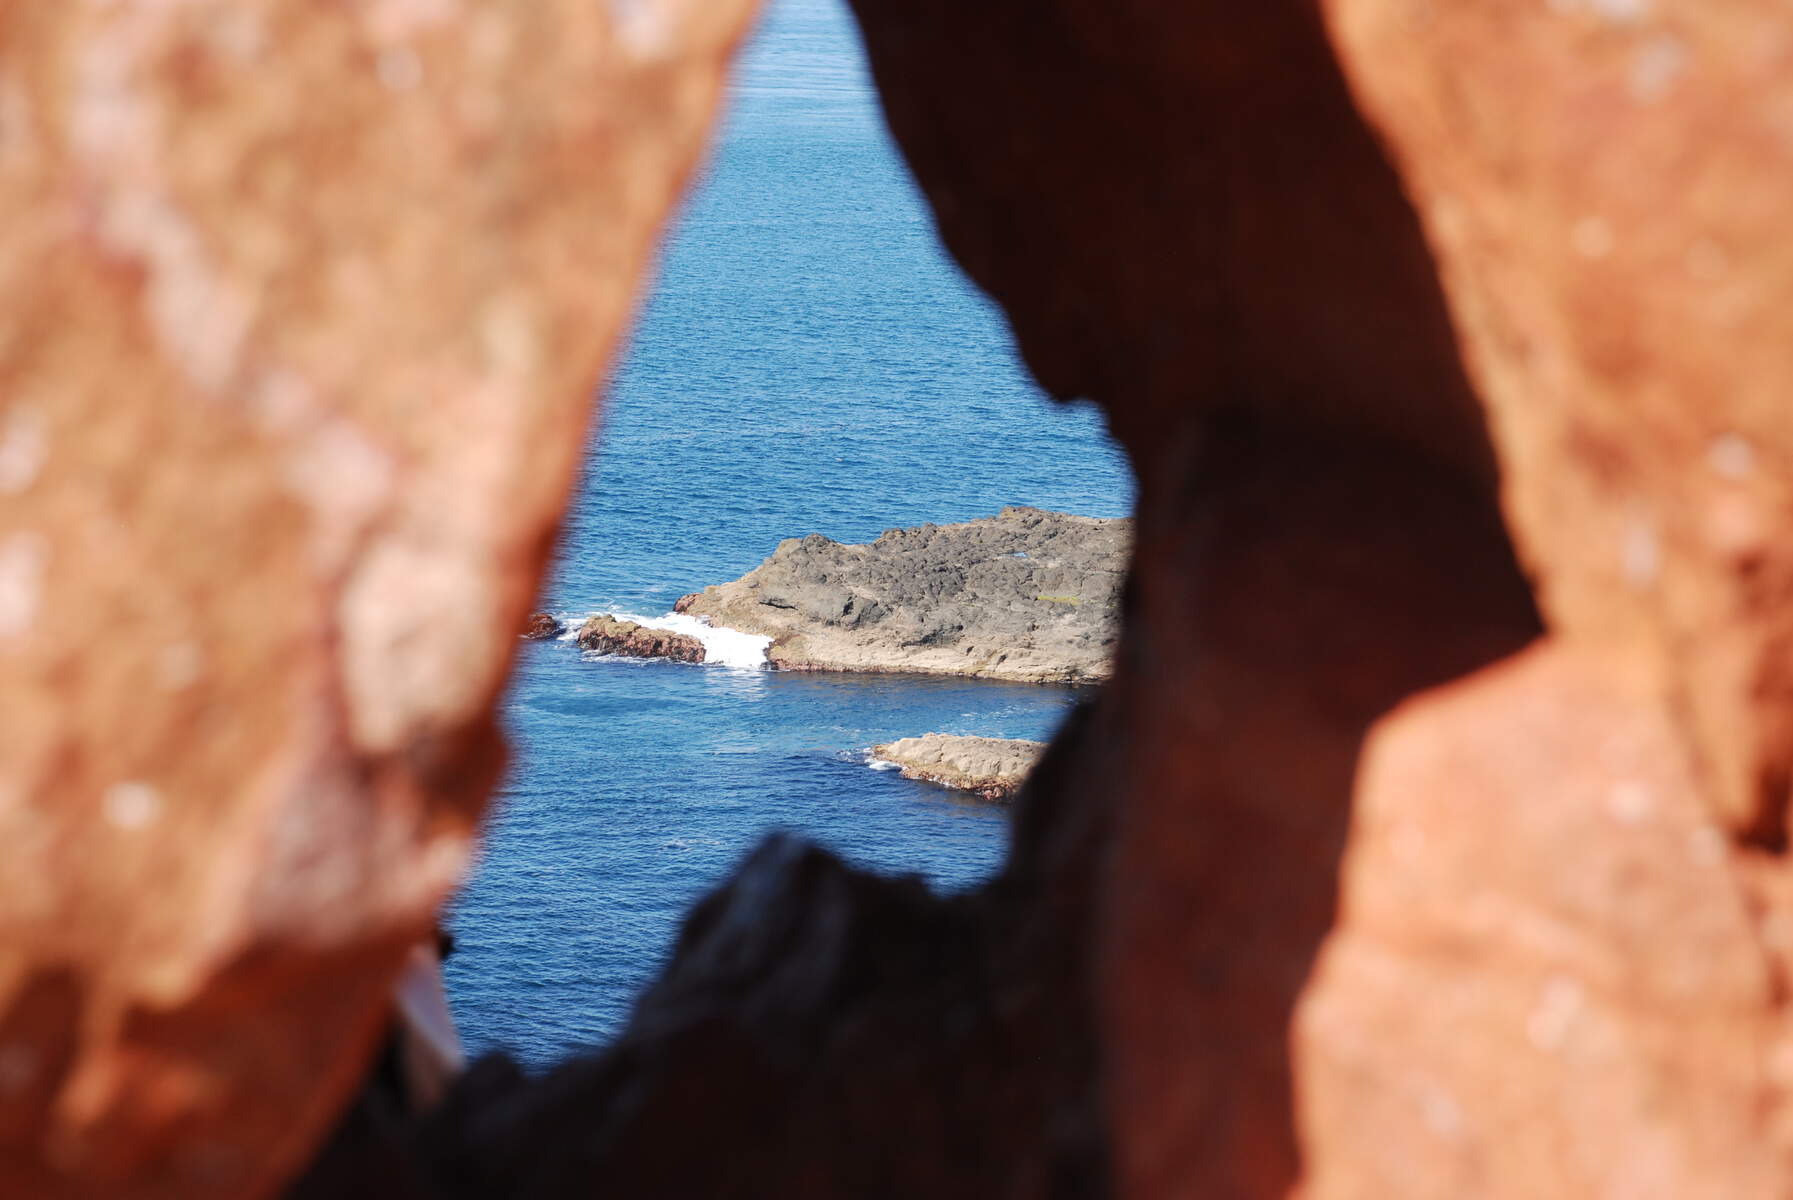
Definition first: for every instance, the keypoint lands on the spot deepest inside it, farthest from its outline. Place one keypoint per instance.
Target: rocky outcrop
(1428, 875)
(605, 634)
(989, 768)
(542, 627)
(304, 308)
(1025, 595)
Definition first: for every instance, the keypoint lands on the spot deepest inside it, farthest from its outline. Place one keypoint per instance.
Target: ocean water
(808, 361)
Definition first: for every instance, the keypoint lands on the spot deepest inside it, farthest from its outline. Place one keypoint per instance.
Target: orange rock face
(1578, 859)
(1603, 184)
(1412, 891)
(304, 306)
(1429, 839)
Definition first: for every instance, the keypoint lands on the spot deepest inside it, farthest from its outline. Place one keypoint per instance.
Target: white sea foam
(880, 764)
(724, 647)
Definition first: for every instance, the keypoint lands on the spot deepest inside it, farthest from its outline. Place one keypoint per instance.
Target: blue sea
(807, 361)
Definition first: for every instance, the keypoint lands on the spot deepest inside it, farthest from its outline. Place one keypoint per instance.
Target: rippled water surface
(808, 361)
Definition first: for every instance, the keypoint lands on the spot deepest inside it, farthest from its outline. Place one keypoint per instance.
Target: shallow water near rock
(808, 361)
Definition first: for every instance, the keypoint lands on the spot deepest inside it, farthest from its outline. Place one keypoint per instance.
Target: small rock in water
(541, 626)
(605, 634)
(990, 768)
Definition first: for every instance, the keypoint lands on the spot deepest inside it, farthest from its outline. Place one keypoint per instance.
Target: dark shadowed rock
(1025, 595)
(541, 626)
(989, 768)
(605, 634)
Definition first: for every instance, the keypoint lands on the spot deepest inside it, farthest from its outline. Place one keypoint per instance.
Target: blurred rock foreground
(1429, 838)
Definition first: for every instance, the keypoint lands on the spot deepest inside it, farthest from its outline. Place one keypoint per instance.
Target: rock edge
(1027, 595)
(606, 634)
(990, 768)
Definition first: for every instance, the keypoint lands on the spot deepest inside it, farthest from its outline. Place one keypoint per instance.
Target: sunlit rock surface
(989, 768)
(1026, 595)
(304, 308)
(1427, 840)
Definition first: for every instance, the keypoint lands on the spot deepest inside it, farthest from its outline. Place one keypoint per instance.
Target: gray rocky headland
(990, 768)
(1026, 595)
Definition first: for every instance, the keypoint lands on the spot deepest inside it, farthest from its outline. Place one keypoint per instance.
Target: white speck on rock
(394, 20)
(1619, 12)
(344, 477)
(280, 401)
(399, 69)
(1732, 456)
(414, 616)
(179, 665)
(1630, 802)
(1592, 237)
(1640, 557)
(1558, 1005)
(508, 336)
(132, 805)
(200, 317)
(642, 27)
(1441, 1112)
(23, 447)
(24, 558)
(1653, 72)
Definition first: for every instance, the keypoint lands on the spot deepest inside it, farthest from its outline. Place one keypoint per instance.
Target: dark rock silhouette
(541, 627)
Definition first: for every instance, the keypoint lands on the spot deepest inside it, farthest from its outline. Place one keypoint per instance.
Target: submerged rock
(1026, 595)
(605, 634)
(541, 626)
(989, 768)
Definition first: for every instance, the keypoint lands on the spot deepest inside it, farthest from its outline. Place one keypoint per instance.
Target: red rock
(541, 626)
(1365, 875)
(1603, 185)
(305, 306)
(1386, 914)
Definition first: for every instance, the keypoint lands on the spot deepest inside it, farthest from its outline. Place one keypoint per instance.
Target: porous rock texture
(605, 634)
(1428, 838)
(1026, 595)
(303, 309)
(989, 768)
(1433, 867)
